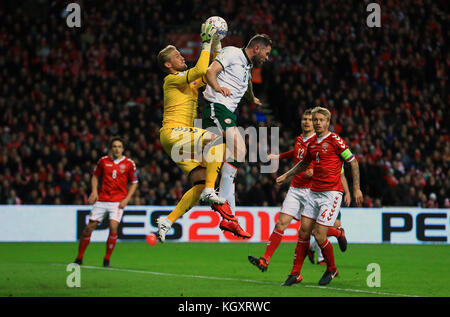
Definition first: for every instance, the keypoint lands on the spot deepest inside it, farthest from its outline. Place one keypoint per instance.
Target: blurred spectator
(64, 92)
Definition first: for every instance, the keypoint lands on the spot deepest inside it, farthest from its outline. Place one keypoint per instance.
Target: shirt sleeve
(287, 155)
(192, 74)
(347, 155)
(98, 168)
(343, 150)
(225, 57)
(198, 83)
(133, 174)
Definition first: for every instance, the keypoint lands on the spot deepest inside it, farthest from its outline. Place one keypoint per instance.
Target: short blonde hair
(163, 57)
(323, 111)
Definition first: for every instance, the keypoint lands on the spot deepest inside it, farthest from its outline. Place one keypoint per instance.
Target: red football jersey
(115, 176)
(327, 153)
(298, 153)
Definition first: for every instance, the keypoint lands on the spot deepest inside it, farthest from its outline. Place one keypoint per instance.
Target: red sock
(335, 232)
(110, 244)
(274, 242)
(327, 251)
(84, 242)
(300, 253)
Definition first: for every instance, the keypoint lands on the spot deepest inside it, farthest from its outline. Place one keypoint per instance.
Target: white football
(219, 24)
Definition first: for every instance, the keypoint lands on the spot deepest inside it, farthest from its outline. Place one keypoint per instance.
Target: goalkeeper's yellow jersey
(181, 94)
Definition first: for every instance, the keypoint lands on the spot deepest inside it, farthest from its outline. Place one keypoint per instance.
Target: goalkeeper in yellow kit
(199, 153)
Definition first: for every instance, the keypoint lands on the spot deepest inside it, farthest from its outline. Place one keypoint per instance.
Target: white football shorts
(323, 207)
(100, 209)
(295, 201)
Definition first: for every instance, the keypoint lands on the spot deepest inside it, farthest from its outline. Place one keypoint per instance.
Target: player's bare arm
(94, 193)
(298, 168)
(211, 79)
(356, 184)
(131, 191)
(250, 96)
(347, 197)
(273, 156)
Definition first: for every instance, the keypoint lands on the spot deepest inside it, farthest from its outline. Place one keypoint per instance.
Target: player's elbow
(209, 73)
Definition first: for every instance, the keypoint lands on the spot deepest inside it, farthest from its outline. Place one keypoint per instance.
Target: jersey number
(317, 157)
(114, 174)
(300, 153)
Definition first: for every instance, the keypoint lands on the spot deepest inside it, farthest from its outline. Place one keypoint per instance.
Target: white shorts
(295, 201)
(323, 207)
(100, 208)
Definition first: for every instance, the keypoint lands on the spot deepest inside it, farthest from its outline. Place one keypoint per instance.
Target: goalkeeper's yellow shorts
(184, 145)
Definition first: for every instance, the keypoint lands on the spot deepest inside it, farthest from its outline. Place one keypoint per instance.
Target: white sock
(312, 244)
(226, 187)
(320, 257)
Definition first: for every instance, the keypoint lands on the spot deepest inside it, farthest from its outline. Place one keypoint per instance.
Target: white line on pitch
(238, 280)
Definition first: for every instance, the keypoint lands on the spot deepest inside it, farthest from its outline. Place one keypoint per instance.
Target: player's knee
(281, 226)
(90, 228)
(305, 234)
(198, 175)
(319, 236)
(283, 222)
(113, 226)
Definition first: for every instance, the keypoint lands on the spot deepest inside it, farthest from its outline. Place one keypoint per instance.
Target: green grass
(217, 270)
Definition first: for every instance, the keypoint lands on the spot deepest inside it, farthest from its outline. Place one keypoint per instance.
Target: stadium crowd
(64, 92)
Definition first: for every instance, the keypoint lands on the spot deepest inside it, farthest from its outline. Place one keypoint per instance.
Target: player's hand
(347, 200)
(257, 102)
(358, 197)
(92, 198)
(224, 91)
(123, 204)
(207, 33)
(281, 179)
(308, 173)
(273, 156)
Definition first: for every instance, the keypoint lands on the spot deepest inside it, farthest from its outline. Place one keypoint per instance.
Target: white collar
(308, 137)
(117, 161)
(323, 138)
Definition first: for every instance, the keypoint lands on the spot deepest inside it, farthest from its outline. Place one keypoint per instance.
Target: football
(151, 239)
(219, 24)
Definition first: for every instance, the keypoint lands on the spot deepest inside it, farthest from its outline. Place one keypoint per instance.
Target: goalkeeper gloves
(207, 35)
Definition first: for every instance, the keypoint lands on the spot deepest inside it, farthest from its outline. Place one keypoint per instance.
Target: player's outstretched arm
(131, 191)
(298, 168)
(200, 68)
(356, 185)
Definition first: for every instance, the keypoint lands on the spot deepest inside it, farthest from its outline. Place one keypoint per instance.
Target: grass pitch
(218, 270)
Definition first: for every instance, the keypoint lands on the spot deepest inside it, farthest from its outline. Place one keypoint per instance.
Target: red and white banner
(41, 223)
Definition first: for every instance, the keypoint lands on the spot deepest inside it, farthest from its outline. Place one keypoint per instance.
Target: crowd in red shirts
(64, 92)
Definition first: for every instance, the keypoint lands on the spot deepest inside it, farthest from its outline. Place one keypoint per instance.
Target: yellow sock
(214, 161)
(189, 200)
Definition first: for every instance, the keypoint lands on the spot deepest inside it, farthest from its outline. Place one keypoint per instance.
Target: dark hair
(308, 112)
(116, 138)
(260, 39)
